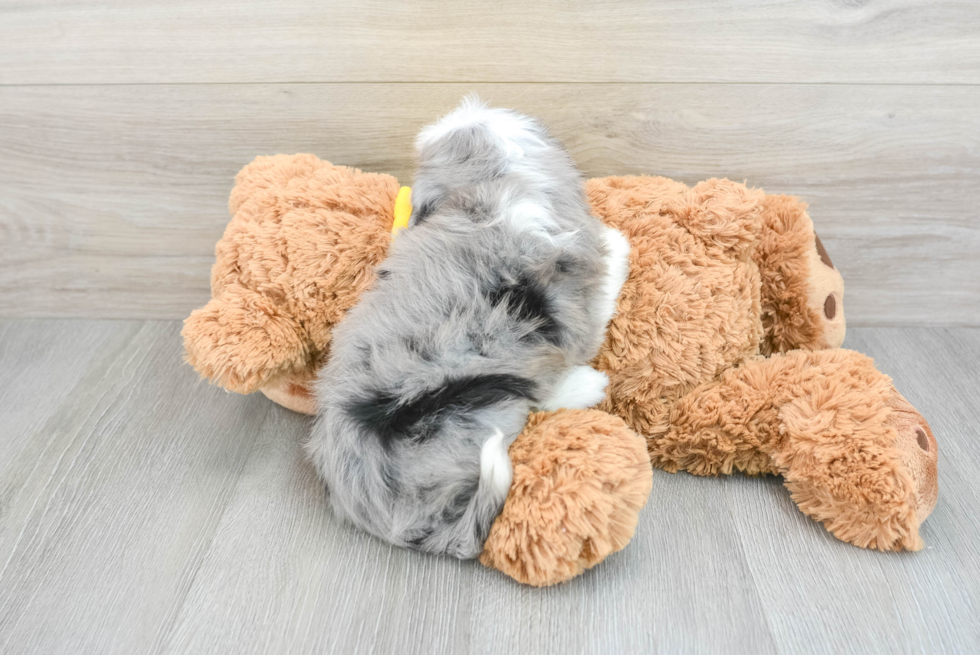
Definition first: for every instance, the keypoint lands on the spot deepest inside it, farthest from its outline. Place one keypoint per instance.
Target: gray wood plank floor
(144, 511)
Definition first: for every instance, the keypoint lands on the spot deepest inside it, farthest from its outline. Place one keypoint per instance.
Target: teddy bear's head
(802, 291)
(302, 246)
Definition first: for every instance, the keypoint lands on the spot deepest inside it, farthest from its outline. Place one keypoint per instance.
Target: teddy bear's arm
(299, 250)
(853, 453)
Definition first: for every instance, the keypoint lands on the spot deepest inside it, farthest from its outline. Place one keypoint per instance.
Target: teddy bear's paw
(581, 388)
(855, 455)
(918, 453)
(580, 479)
(242, 340)
(294, 392)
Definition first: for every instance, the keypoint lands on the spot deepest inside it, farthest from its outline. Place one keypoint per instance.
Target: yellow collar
(403, 209)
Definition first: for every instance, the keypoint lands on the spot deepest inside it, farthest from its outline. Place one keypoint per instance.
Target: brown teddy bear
(723, 355)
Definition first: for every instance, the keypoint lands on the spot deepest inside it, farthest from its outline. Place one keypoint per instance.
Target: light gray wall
(122, 125)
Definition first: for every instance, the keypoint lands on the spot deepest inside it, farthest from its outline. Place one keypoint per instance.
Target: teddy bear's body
(691, 307)
(719, 274)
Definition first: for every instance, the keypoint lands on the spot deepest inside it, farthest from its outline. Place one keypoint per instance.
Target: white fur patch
(529, 215)
(495, 467)
(581, 388)
(618, 269)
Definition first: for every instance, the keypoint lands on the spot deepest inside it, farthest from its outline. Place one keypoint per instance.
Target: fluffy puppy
(490, 304)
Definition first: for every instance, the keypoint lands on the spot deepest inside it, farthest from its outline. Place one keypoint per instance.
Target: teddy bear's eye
(830, 307)
(923, 440)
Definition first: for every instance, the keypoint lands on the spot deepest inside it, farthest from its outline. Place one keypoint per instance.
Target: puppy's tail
(473, 526)
(496, 472)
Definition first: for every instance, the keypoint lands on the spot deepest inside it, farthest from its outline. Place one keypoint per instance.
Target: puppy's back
(480, 305)
(429, 471)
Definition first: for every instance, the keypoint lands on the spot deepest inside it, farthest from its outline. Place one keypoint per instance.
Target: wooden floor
(142, 511)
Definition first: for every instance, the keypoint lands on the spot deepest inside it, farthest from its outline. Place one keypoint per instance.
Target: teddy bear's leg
(580, 479)
(802, 291)
(853, 453)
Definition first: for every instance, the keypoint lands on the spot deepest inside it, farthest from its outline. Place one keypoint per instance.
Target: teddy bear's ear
(241, 340)
(724, 214)
(271, 173)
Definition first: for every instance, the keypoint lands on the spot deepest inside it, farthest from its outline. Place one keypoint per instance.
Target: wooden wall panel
(112, 197)
(144, 41)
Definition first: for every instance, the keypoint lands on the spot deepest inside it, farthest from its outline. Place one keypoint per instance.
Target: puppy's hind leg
(580, 388)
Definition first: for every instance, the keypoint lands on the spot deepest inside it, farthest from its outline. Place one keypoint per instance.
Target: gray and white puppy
(490, 304)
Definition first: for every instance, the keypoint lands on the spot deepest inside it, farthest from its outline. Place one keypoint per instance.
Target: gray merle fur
(486, 301)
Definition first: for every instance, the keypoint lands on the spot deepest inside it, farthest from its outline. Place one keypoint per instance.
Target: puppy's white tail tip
(495, 468)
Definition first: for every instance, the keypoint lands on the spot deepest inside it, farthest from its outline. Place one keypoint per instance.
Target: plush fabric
(690, 308)
(580, 480)
(719, 273)
(798, 278)
(833, 426)
(301, 248)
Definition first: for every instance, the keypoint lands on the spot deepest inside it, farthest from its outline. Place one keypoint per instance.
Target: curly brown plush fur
(719, 273)
(690, 308)
(831, 424)
(580, 480)
(302, 247)
(802, 292)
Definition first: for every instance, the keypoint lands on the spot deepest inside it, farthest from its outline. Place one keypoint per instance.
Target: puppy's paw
(581, 388)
